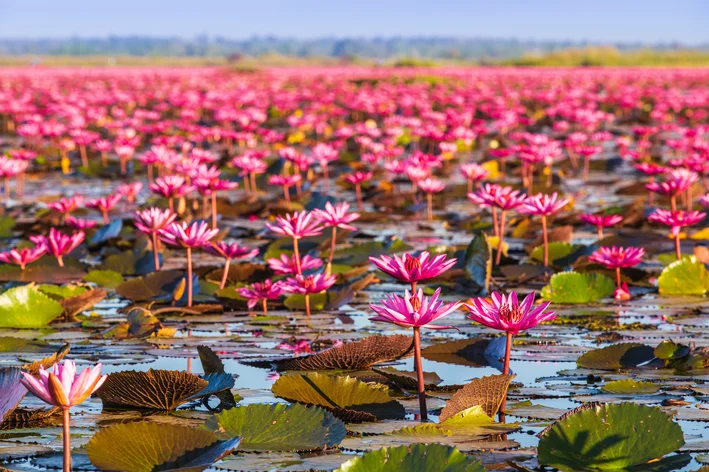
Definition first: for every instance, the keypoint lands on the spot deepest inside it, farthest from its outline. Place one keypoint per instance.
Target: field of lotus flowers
(354, 269)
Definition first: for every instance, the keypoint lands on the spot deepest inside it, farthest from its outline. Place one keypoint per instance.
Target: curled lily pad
(345, 397)
(26, 307)
(574, 287)
(11, 390)
(670, 350)
(154, 389)
(353, 356)
(487, 392)
(630, 386)
(468, 352)
(687, 276)
(28, 418)
(60, 292)
(614, 436)
(418, 457)
(75, 305)
(617, 356)
(151, 447)
(279, 427)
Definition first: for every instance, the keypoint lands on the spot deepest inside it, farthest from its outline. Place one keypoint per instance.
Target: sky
(650, 21)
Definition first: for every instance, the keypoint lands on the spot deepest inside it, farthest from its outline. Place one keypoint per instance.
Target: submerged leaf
(478, 262)
(609, 437)
(279, 427)
(151, 447)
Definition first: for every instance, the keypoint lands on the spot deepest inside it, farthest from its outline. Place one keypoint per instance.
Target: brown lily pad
(408, 380)
(75, 305)
(488, 392)
(47, 362)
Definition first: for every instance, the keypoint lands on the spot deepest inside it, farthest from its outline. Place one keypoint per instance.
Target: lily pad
(104, 278)
(11, 390)
(574, 287)
(151, 447)
(60, 292)
(418, 457)
(345, 397)
(557, 251)
(150, 286)
(613, 436)
(408, 379)
(26, 307)
(617, 356)
(630, 386)
(670, 350)
(687, 276)
(106, 232)
(487, 392)
(360, 253)
(478, 262)
(279, 427)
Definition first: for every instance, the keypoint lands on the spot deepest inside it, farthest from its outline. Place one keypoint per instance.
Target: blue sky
(686, 21)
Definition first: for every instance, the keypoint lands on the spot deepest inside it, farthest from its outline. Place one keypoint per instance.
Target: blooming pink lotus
(285, 181)
(413, 269)
(79, 223)
(63, 388)
(356, 179)
(617, 258)
(261, 291)
(543, 205)
(59, 244)
(150, 222)
(104, 205)
(337, 216)
(297, 226)
(506, 200)
(229, 252)
(171, 187)
(130, 190)
(308, 285)
(189, 237)
(288, 265)
(24, 256)
(676, 220)
(600, 221)
(415, 311)
(473, 173)
(66, 205)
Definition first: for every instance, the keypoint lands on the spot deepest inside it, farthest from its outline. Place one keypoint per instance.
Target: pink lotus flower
(415, 312)
(187, 236)
(261, 291)
(79, 223)
(506, 200)
(601, 221)
(296, 226)
(473, 172)
(285, 181)
(505, 313)
(543, 205)
(24, 256)
(104, 205)
(356, 179)
(308, 285)
(324, 154)
(335, 217)
(250, 166)
(413, 269)
(676, 220)
(63, 388)
(287, 265)
(150, 222)
(430, 186)
(130, 191)
(617, 258)
(59, 244)
(67, 204)
(171, 187)
(229, 252)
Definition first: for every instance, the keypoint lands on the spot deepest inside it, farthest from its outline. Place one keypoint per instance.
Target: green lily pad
(630, 386)
(26, 307)
(60, 292)
(475, 415)
(670, 350)
(279, 427)
(151, 447)
(557, 250)
(574, 287)
(613, 436)
(617, 356)
(104, 278)
(684, 277)
(417, 457)
(123, 263)
(6, 225)
(347, 398)
(668, 258)
(297, 301)
(360, 253)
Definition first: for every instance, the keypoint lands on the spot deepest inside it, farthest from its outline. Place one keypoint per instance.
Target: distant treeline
(473, 49)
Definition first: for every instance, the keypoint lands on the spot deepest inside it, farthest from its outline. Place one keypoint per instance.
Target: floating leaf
(151, 447)
(123, 263)
(417, 457)
(557, 251)
(616, 356)
(356, 355)
(11, 390)
(475, 415)
(150, 286)
(408, 380)
(154, 389)
(609, 437)
(25, 418)
(26, 307)
(42, 271)
(340, 394)
(478, 262)
(6, 225)
(687, 276)
(574, 287)
(487, 392)
(75, 305)
(669, 350)
(104, 278)
(360, 253)
(630, 386)
(106, 232)
(468, 352)
(279, 427)
(60, 292)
